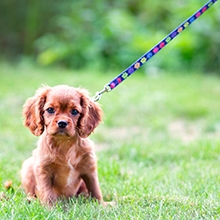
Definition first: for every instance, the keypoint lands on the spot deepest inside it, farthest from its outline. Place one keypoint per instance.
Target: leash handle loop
(153, 51)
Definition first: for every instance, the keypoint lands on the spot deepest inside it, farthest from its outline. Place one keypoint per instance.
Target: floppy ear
(33, 111)
(91, 115)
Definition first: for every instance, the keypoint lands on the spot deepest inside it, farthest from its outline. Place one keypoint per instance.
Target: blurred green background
(108, 34)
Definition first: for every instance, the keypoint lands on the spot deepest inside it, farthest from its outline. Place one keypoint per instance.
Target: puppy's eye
(74, 112)
(50, 110)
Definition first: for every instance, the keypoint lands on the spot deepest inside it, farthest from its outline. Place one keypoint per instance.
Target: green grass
(158, 148)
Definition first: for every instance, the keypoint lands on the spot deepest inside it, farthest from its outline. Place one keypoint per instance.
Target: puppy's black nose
(62, 124)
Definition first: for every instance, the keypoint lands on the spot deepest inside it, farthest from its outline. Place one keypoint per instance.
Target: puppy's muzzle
(62, 124)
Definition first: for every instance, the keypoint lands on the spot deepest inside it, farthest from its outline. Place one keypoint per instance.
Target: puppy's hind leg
(82, 189)
(28, 178)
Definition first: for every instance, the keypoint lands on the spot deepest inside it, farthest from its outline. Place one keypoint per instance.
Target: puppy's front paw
(108, 204)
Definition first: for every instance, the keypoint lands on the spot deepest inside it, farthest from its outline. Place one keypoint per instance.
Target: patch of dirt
(184, 131)
(119, 134)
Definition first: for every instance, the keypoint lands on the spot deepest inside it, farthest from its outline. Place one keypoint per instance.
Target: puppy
(64, 163)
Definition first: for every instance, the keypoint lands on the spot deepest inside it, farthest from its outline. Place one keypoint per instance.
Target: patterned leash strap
(148, 55)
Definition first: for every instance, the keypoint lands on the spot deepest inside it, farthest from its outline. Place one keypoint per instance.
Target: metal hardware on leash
(98, 95)
(148, 55)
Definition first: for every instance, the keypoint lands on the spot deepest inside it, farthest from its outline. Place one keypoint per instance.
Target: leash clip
(98, 95)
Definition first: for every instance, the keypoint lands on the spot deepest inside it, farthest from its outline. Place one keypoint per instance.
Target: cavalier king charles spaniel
(64, 163)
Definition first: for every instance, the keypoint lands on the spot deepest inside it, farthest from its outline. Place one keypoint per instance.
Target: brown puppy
(64, 163)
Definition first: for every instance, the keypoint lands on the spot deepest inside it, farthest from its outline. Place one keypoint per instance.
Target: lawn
(158, 145)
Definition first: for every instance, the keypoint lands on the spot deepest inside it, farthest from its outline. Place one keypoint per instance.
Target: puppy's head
(61, 111)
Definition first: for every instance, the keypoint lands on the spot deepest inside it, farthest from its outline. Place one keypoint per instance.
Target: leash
(148, 55)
